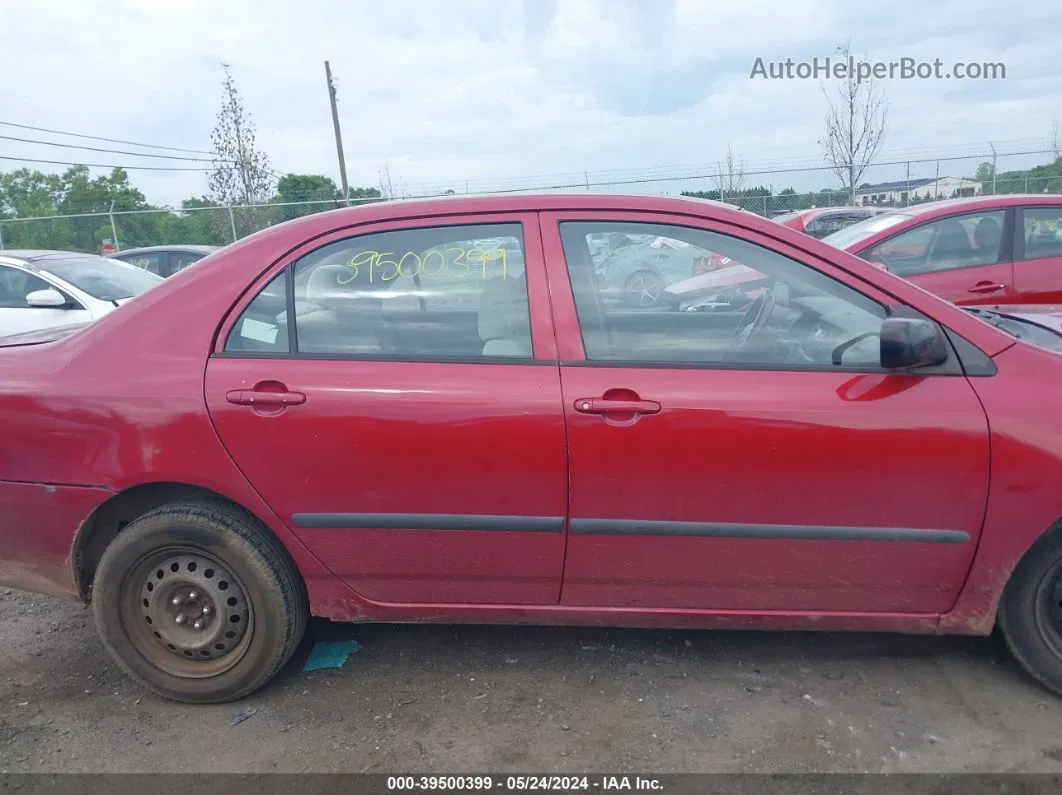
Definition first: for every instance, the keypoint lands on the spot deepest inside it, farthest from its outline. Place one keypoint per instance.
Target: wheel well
(101, 528)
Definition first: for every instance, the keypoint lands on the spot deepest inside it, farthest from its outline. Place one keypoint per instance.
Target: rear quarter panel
(121, 404)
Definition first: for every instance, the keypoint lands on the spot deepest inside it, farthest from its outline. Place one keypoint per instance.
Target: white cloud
(495, 90)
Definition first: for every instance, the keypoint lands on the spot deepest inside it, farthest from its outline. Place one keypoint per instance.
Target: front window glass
(16, 284)
(945, 244)
(758, 307)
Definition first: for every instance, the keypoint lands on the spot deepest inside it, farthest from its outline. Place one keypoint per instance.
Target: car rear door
(408, 425)
(1038, 255)
(760, 478)
(965, 258)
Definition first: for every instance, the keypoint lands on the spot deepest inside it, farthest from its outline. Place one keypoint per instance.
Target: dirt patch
(501, 699)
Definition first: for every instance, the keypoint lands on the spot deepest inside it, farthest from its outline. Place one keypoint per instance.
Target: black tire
(1030, 615)
(216, 566)
(644, 289)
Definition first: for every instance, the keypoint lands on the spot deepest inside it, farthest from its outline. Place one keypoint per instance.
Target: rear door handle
(603, 406)
(987, 287)
(252, 397)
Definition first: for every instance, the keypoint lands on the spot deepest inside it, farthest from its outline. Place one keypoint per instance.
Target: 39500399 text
(453, 262)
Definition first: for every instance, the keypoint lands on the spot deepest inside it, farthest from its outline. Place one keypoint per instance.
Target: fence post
(232, 223)
(1, 237)
(114, 231)
(907, 193)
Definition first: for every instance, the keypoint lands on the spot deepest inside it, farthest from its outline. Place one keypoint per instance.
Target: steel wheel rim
(644, 289)
(186, 612)
(1049, 609)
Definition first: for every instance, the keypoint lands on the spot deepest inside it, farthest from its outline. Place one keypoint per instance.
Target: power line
(101, 165)
(108, 140)
(111, 151)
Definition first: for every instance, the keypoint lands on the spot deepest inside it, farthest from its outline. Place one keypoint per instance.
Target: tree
(307, 188)
(241, 172)
(306, 194)
(856, 122)
(83, 195)
(984, 174)
(361, 196)
(731, 174)
(29, 194)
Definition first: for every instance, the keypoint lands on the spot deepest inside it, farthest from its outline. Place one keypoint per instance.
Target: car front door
(408, 425)
(963, 258)
(1038, 255)
(757, 460)
(17, 316)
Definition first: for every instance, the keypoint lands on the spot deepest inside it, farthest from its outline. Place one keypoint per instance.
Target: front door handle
(254, 397)
(605, 406)
(982, 288)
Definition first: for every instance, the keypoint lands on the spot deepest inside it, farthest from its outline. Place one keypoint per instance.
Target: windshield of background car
(856, 233)
(102, 278)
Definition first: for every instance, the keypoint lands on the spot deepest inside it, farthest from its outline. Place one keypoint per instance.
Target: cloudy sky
(508, 92)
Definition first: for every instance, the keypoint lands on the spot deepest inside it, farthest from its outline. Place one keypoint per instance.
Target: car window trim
(530, 229)
(871, 294)
(898, 297)
(413, 358)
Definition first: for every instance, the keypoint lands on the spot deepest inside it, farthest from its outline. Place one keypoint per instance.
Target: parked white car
(42, 289)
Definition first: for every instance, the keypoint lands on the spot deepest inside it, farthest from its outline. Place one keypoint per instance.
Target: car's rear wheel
(644, 289)
(199, 602)
(1031, 612)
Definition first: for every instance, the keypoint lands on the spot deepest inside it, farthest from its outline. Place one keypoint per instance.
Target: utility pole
(993, 167)
(114, 231)
(339, 136)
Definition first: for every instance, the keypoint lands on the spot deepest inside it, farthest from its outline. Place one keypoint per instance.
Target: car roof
(405, 209)
(850, 208)
(179, 247)
(35, 258)
(948, 206)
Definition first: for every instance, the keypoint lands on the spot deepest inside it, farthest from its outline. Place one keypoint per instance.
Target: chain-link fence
(767, 191)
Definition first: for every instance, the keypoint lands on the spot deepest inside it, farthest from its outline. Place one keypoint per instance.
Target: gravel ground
(504, 699)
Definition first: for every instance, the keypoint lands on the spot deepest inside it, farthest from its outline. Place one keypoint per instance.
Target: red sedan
(981, 250)
(423, 411)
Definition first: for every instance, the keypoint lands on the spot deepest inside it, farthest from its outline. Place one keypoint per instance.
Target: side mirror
(911, 342)
(47, 299)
